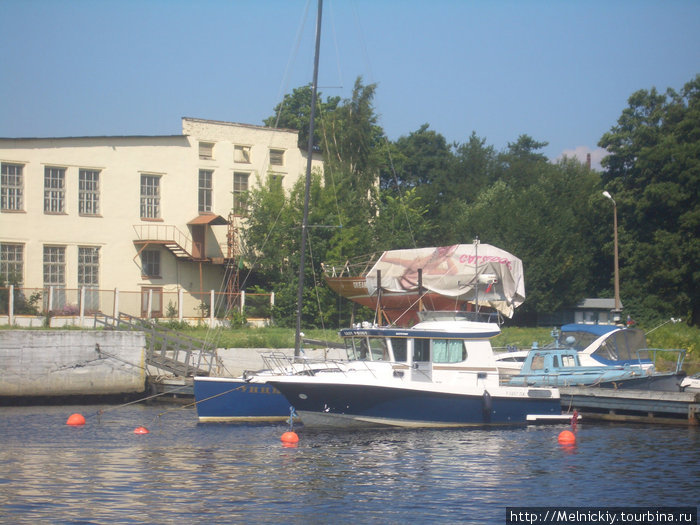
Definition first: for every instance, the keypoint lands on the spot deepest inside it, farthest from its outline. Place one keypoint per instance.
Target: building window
(12, 263)
(54, 190)
(150, 197)
(276, 157)
(55, 275)
(206, 150)
(89, 192)
(240, 191)
(205, 188)
(89, 275)
(241, 154)
(150, 263)
(12, 184)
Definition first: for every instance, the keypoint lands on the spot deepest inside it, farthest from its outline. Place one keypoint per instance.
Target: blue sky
(559, 71)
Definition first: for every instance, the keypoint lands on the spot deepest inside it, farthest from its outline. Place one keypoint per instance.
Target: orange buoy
(289, 437)
(76, 420)
(140, 430)
(566, 437)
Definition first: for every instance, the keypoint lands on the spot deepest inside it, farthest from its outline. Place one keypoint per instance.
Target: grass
(666, 336)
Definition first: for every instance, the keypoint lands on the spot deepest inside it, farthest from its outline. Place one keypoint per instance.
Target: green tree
(343, 209)
(653, 173)
(549, 224)
(294, 112)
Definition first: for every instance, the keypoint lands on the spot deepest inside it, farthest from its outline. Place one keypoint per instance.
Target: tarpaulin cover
(473, 272)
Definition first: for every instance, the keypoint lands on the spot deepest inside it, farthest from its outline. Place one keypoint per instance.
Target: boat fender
(486, 406)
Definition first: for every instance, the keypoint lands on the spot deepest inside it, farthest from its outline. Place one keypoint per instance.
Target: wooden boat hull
(400, 308)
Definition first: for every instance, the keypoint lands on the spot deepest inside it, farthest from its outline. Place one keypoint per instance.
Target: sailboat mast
(307, 186)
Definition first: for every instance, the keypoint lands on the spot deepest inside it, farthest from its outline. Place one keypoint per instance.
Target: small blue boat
(561, 367)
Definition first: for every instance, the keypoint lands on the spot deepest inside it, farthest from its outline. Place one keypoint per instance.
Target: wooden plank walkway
(644, 406)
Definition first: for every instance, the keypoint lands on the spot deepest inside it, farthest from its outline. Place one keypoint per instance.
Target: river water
(184, 472)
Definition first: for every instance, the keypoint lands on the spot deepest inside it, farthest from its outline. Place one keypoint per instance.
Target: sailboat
(248, 398)
(401, 283)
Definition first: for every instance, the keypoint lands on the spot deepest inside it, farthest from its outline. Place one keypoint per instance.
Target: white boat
(510, 363)
(691, 383)
(440, 373)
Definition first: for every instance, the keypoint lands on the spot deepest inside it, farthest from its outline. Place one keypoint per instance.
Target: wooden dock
(643, 406)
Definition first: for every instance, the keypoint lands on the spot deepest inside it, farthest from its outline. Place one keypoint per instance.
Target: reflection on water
(183, 472)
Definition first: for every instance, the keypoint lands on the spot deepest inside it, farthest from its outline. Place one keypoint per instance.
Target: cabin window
(537, 362)
(555, 361)
(568, 361)
(398, 345)
(357, 348)
(448, 351)
(421, 350)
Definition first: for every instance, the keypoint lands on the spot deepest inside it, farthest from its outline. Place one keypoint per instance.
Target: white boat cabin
(434, 351)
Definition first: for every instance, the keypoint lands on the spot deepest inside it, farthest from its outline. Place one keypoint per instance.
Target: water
(184, 472)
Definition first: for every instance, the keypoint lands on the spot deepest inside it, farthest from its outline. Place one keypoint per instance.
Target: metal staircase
(167, 350)
(169, 236)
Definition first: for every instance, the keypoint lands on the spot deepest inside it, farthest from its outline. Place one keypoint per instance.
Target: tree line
(419, 190)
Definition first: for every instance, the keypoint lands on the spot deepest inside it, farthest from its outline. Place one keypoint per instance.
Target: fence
(55, 306)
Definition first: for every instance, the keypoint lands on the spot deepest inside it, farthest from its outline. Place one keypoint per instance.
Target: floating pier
(643, 406)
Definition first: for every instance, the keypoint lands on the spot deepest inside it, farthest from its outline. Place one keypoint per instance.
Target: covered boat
(399, 283)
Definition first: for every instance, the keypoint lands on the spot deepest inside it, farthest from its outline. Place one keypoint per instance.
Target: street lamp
(618, 308)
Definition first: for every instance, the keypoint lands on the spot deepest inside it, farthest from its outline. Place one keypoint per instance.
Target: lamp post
(618, 309)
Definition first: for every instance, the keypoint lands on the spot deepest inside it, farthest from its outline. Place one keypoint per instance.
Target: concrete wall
(66, 363)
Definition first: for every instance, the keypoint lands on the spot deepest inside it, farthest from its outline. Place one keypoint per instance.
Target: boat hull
(623, 381)
(220, 399)
(328, 405)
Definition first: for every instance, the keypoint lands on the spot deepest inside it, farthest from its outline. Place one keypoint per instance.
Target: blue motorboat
(561, 367)
(248, 398)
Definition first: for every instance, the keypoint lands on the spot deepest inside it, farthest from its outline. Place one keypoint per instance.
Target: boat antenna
(476, 272)
(309, 156)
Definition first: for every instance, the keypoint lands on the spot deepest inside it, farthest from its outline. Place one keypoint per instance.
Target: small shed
(595, 311)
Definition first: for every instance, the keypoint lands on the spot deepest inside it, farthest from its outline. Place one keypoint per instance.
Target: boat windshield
(363, 348)
(623, 345)
(578, 340)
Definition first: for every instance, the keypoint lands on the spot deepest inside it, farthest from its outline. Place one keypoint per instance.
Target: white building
(154, 217)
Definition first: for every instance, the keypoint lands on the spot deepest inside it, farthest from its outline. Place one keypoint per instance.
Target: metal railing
(163, 232)
(58, 306)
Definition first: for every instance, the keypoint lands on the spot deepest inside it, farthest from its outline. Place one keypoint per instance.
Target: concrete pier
(71, 363)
